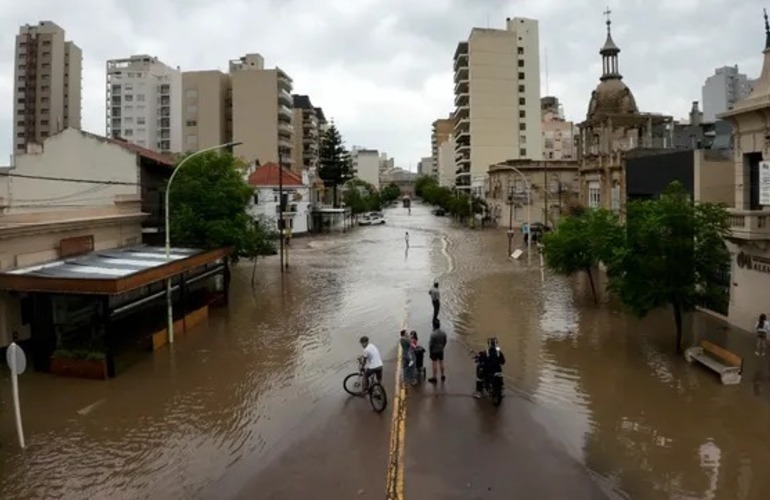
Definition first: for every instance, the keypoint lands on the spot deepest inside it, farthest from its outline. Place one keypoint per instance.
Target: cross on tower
(607, 13)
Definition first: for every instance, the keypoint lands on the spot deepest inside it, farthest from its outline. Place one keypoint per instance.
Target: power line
(70, 179)
(89, 190)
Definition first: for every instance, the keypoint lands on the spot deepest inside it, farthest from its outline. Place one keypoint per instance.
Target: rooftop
(302, 101)
(268, 175)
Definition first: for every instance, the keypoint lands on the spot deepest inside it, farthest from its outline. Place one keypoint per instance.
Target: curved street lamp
(529, 211)
(169, 301)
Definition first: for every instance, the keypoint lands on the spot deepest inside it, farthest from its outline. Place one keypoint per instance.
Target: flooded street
(229, 408)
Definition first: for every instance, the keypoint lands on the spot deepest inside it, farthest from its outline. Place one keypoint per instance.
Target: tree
(390, 193)
(361, 196)
(335, 167)
(581, 242)
(208, 208)
(671, 254)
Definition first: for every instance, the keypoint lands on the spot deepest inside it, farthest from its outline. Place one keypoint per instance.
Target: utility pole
(545, 190)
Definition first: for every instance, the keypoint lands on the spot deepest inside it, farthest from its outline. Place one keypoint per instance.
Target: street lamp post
(169, 302)
(529, 213)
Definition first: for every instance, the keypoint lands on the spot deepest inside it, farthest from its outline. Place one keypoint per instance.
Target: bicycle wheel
(378, 398)
(352, 384)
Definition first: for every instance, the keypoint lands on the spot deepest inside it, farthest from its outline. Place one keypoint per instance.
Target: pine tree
(335, 167)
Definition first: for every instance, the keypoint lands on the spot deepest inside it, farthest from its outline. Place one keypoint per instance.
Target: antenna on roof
(546, 71)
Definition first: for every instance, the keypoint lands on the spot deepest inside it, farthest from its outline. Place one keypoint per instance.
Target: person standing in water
(406, 239)
(435, 298)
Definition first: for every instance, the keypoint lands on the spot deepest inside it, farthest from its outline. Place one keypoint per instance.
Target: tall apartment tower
(47, 84)
(261, 111)
(206, 109)
(497, 98)
(144, 103)
(440, 133)
(558, 133)
(722, 90)
(306, 134)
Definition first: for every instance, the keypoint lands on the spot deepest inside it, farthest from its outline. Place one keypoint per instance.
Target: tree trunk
(678, 321)
(253, 271)
(334, 196)
(593, 287)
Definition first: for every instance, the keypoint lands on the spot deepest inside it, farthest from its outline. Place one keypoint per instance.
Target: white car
(375, 220)
(365, 220)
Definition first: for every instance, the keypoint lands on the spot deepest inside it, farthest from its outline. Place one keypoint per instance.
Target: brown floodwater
(236, 392)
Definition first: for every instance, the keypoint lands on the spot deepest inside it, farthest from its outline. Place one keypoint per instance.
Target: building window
(128, 98)
(140, 120)
(128, 132)
(522, 113)
(521, 76)
(522, 126)
(520, 50)
(522, 139)
(521, 63)
(522, 152)
(521, 88)
(192, 109)
(192, 123)
(594, 194)
(191, 93)
(140, 97)
(522, 101)
(129, 86)
(615, 198)
(128, 120)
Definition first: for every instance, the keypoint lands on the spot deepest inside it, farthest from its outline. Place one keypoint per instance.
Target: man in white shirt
(372, 361)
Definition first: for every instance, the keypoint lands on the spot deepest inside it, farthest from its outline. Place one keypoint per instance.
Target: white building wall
(72, 155)
(722, 90)
(367, 165)
(446, 163)
(267, 202)
(136, 109)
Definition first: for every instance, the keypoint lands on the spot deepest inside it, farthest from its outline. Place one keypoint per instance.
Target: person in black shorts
(436, 347)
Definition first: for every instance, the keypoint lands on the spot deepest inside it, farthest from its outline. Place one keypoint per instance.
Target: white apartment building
(366, 163)
(558, 133)
(497, 98)
(47, 84)
(722, 90)
(144, 103)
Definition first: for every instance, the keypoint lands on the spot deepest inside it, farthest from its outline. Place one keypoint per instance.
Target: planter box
(95, 369)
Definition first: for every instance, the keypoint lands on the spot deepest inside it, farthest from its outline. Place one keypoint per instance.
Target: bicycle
(353, 384)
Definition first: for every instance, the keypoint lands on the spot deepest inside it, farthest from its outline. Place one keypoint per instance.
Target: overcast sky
(383, 68)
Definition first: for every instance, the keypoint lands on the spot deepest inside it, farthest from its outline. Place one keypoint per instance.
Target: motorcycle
(491, 383)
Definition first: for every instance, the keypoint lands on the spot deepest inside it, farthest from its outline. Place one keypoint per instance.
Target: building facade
(46, 84)
(554, 189)
(425, 166)
(261, 111)
(447, 167)
(722, 90)
(749, 240)
(497, 98)
(441, 130)
(366, 165)
(307, 138)
(206, 109)
(558, 133)
(612, 127)
(265, 202)
(144, 103)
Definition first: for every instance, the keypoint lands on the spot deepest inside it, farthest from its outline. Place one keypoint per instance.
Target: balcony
(461, 61)
(463, 112)
(462, 99)
(461, 75)
(749, 225)
(462, 87)
(285, 98)
(285, 129)
(287, 145)
(462, 126)
(284, 82)
(284, 113)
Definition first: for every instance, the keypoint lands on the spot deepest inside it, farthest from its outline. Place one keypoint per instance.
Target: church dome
(611, 97)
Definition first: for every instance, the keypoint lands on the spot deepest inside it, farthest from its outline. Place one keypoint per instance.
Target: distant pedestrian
(436, 347)
(435, 298)
(762, 327)
(406, 239)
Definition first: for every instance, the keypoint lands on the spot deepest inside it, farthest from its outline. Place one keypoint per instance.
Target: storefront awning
(108, 271)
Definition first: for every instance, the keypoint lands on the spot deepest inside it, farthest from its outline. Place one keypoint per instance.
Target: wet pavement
(251, 405)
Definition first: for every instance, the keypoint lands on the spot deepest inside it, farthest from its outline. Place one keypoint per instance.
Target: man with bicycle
(372, 362)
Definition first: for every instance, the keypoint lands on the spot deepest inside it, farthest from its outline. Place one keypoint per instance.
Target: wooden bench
(728, 365)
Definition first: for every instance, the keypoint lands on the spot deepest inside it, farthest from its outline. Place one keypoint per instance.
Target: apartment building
(497, 98)
(206, 109)
(323, 125)
(261, 111)
(47, 84)
(366, 164)
(306, 134)
(144, 103)
(722, 90)
(446, 162)
(558, 133)
(440, 132)
(425, 166)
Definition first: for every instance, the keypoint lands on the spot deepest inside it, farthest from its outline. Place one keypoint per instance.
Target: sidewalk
(458, 447)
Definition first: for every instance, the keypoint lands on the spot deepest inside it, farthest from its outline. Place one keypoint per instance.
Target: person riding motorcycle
(489, 363)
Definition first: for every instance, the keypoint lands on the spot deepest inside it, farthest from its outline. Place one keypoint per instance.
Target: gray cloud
(383, 68)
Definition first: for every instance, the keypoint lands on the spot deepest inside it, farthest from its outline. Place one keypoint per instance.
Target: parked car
(376, 220)
(365, 220)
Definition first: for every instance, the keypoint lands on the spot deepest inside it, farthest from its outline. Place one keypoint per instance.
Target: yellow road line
(395, 480)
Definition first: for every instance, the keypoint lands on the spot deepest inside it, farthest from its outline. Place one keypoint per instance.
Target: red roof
(267, 175)
(161, 158)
